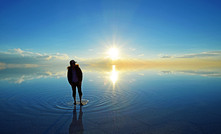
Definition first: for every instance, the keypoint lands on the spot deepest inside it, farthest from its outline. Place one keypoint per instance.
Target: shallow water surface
(148, 101)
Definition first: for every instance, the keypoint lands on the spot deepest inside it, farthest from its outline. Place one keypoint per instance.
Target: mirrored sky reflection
(111, 73)
(172, 100)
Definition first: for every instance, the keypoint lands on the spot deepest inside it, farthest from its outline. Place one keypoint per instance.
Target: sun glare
(114, 75)
(113, 53)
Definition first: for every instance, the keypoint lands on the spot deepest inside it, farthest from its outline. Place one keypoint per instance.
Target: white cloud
(48, 58)
(18, 50)
(17, 65)
(209, 54)
(202, 55)
(60, 56)
(166, 56)
(214, 73)
(20, 80)
(19, 58)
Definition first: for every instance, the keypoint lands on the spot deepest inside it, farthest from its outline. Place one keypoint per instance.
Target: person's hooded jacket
(78, 72)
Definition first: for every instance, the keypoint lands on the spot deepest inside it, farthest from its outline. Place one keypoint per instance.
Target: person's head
(72, 63)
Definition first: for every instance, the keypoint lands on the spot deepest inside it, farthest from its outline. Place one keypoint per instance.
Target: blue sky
(84, 28)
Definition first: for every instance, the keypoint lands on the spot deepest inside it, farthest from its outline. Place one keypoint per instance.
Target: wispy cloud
(166, 56)
(17, 65)
(17, 58)
(214, 73)
(209, 54)
(202, 55)
(205, 73)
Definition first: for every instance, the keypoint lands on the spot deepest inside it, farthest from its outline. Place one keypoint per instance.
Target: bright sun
(113, 53)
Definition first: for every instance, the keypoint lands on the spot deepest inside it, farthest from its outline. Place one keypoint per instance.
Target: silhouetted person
(76, 126)
(75, 79)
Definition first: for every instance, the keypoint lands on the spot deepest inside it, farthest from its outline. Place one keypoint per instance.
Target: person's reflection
(76, 126)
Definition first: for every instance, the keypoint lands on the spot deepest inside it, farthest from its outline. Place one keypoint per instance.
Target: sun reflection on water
(114, 75)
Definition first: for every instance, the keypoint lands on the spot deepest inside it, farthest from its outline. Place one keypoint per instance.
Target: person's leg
(74, 92)
(79, 90)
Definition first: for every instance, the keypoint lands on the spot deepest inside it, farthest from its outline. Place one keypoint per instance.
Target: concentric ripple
(102, 99)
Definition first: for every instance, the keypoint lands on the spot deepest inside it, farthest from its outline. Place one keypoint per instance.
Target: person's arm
(69, 76)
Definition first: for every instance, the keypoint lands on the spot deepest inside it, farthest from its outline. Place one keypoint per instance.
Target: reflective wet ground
(142, 101)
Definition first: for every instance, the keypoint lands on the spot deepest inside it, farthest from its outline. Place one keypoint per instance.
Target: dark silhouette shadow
(76, 126)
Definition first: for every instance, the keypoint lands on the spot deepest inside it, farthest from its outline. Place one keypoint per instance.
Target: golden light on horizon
(113, 53)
